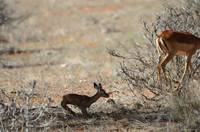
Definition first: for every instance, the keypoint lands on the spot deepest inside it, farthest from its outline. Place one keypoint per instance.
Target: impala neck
(94, 98)
(198, 46)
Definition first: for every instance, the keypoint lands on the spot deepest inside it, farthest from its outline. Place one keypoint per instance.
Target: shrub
(138, 68)
(18, 112)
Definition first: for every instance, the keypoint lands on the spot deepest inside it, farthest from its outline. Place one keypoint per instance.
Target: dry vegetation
(138, 68)
(57, 47)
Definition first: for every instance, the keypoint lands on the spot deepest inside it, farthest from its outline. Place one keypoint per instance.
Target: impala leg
(84, 111)
(158, 69)
(163, 63)
(158, 72)
(64, 105)
(188, 65)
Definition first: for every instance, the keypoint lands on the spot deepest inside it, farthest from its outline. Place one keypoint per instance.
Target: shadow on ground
(121, 118)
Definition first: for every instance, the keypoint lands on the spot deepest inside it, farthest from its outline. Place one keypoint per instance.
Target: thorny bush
(19, 113)
(138, 65)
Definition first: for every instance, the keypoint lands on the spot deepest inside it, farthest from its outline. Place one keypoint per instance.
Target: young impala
(82, 101)
(173, 43)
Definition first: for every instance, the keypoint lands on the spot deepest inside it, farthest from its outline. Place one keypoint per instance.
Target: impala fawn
(83, 101)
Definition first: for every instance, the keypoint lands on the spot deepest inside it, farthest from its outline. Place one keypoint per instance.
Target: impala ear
(100, 86)
(96, 86)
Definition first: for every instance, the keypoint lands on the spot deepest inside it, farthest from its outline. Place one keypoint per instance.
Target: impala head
(100, 90)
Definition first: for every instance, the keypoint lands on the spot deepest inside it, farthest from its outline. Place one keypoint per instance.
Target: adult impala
(173, 43)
